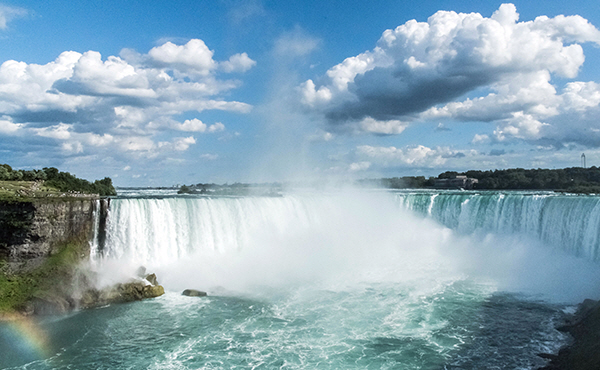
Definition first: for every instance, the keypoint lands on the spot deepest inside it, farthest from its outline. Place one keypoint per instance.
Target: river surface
(350, 279)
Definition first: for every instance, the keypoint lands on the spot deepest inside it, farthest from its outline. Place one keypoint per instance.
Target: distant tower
(583, 159)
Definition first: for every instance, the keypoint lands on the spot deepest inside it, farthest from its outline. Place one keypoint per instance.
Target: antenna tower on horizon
(583, 159)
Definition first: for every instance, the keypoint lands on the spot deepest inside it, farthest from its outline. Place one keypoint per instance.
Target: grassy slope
(31, 188)
(24, 191)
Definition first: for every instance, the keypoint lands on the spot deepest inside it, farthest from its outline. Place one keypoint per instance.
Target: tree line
(573, 179)
(62, 181)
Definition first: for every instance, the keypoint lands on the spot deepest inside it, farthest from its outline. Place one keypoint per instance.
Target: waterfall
(169, 228)
(530, 242)
(569, 222)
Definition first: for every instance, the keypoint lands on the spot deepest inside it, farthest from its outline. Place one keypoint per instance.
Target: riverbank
(584, 352)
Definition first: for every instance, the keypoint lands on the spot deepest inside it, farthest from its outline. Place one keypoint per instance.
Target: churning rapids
(341, 280)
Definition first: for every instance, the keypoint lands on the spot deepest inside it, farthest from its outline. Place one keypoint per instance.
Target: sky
(156, 93)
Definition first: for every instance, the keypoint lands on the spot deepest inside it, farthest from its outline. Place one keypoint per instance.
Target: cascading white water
(356, 235)
(94, 245)
(160, 231)
(267, 240)
(568, 222)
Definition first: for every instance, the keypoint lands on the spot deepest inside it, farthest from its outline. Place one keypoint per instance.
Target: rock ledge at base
(135, 290)
(49, 303)
(584, 352)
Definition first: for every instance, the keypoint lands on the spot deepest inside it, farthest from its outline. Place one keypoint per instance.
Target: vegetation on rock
(54, 276)
(47, 182)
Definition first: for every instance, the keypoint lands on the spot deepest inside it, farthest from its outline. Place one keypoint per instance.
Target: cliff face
(43, 248)
(31, 231)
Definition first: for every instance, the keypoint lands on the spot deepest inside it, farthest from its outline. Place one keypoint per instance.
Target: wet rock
(151, 278)
(134, 290)
(153, 291)
(51, 304)
(193, 293)
(31, 231)
(584, 352)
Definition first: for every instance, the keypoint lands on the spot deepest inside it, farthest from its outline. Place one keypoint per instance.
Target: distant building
(459, 182)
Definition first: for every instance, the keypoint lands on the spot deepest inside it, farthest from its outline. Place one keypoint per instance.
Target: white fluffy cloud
(388, 127)
(238, 63)
(194, 56)
(8, 127)
(420, 70)
(195, 125)
(124, 104)
(412, 156)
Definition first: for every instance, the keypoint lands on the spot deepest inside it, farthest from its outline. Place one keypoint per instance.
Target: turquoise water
(373, 327)
(349, 280)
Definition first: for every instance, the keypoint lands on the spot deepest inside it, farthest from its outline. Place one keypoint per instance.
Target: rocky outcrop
(193, 293)
(54, 302)
(134, 290)
(44, 246)
(30, 231)
(584, 352)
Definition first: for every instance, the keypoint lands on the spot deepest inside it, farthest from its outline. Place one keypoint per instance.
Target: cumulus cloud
(8, 127)
(388, 127)
(179, 144)
(84, 103)
(194, 56)
(414, 156)
(216, 127)
(420, 70)
(60, 131)
(195, 125)
(238, 63)
(523, 126)
(480, 139)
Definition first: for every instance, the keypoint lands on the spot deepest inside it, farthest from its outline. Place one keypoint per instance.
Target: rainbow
(24, 341)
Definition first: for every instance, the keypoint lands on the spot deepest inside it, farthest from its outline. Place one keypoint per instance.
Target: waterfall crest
(169, 228)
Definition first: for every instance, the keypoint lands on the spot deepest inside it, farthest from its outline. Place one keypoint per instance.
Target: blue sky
(163, 93)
